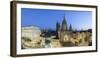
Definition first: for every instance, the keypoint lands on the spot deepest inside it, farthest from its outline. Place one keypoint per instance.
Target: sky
(47, 19)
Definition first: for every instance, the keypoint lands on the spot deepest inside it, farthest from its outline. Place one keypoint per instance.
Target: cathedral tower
(64, 25)
(58, 30)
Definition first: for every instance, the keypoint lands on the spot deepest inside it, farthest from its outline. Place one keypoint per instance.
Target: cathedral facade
(67, 37)
(63, 33)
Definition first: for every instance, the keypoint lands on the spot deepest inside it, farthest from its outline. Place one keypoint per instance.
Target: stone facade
(31, 37)
(69, 38)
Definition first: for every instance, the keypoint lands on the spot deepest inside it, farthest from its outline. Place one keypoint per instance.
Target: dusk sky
(44, 18)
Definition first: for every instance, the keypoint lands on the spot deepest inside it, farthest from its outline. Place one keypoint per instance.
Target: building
(70, 38)
(31, 37)
(31, 32)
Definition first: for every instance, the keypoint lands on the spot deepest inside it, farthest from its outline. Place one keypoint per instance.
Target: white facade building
(31, 32)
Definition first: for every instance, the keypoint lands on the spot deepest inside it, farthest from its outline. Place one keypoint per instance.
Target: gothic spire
(64, 24)
(70, 28)
(57, 26)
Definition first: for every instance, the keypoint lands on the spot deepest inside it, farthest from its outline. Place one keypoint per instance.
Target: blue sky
(45, 18)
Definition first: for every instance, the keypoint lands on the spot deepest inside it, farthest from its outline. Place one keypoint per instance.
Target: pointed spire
(57, 30)
(70, 28)
(57, 26)
(64, 25)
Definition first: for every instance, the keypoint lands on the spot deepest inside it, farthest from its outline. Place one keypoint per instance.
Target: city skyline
(47, 19)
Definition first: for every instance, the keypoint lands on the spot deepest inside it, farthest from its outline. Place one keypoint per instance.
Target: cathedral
(67, 37)
(63, 34)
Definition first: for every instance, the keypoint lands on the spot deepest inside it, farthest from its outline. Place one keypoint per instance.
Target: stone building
(31, 37)
(69, 38)
(63, 34)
